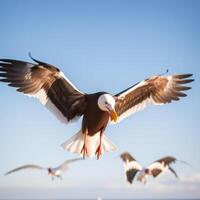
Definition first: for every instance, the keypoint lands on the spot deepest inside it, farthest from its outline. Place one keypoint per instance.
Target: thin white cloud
(192, 178)
(164, 187)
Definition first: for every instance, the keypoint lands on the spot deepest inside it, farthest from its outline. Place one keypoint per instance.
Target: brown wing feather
(127, 157)
(132, 99)
(130, 175)
(46, 83)
(167, 160)
(156, 172)
(155, 90)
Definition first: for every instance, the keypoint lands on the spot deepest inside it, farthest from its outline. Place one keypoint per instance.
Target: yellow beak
(113, 115)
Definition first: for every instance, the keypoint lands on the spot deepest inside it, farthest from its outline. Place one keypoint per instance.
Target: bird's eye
(106, 102)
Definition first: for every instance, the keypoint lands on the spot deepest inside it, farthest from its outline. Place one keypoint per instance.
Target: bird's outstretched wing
(25, 167)
(126, 156)
(162, 165)
(65, 165)
(131, 166)
(167, 160)
(156, 90)
(47, 83)
(130, 175)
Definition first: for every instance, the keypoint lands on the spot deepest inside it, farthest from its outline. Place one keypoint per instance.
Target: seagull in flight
(53, 89)
(132, 167)
(52, 171)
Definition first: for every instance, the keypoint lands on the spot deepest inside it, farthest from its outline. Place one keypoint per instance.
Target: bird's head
(106, 102)
(49, 171)
(147, 171)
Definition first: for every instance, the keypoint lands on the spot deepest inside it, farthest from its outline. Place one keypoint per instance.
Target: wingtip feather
(5, 60)
(183, 81)
(182, 76)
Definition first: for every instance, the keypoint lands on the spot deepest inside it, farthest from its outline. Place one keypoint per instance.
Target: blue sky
(101, 46)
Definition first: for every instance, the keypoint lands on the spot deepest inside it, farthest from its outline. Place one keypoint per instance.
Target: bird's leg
(60, 177)
(145, 180)
(84, 148)
(98, 151)
(52, 177)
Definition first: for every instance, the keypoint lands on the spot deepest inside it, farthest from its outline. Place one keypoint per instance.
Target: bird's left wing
(167, 160)
(24, 167)
(47, 83)
(65, 164)
(161, 165)
(156, 90)
(131, 166)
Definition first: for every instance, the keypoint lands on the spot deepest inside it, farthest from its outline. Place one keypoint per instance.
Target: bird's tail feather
(76, 142)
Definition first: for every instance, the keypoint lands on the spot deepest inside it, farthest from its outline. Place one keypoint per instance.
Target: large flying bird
(48, 84)
(52, 171)
(132, 167)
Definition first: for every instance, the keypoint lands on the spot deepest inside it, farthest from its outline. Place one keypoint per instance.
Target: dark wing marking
(173, 171)
(155, 172)
(156, 90)
(47, 83)
(130, 162)
(167, 160)
(25, 167)
(131, 166)
(130, 175)
(127, 156)
(162, 165)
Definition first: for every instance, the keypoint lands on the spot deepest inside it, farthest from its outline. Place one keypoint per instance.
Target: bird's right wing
(156, 90)
(46, 83)
(130, 175)
(161, 165)
(64, 165)
(25, 167)
(167, 160)
(131, 166)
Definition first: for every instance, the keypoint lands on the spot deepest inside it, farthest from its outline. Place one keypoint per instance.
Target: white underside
(76, 142)
(132, 165)
(44, 100)
(56, 172)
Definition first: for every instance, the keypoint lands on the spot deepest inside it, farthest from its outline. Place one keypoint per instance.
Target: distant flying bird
(132, 167)
(48, 84)
(52, 171)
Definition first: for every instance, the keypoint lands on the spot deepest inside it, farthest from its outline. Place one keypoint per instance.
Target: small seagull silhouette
(132, 167)
(52, 171)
